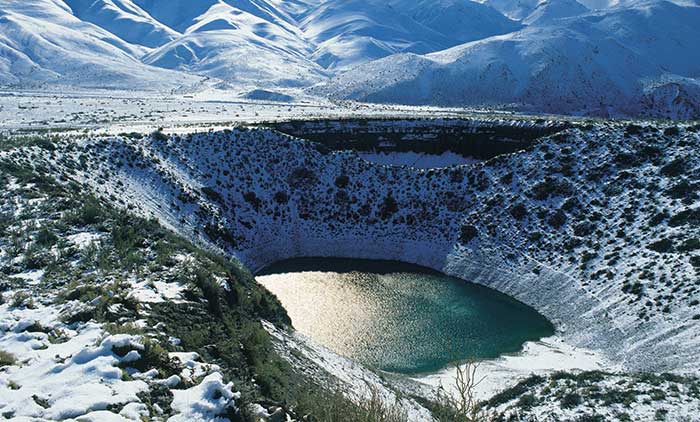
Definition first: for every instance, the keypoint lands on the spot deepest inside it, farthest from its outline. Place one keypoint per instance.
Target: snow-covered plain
(112, 112)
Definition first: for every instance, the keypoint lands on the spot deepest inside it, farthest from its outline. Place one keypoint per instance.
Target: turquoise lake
(399, 317)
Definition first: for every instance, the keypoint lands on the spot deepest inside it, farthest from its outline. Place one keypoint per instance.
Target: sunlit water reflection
(398, 317)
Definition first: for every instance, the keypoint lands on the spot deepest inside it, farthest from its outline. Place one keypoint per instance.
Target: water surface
(399, 317)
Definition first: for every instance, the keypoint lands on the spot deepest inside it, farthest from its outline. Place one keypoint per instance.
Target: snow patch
(204, 402)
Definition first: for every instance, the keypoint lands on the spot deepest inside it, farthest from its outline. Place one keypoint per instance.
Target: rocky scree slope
(596, 227)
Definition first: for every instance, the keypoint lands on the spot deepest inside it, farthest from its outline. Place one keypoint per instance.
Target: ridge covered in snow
(619, 61)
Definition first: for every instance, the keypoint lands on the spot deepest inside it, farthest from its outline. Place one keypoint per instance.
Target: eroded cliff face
(596, 227)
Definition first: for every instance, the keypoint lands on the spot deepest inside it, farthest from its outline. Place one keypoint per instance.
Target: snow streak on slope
(623, 61)
(246, 42)
(549, 10)
(351, 32)
(514, 9)
(124, 19)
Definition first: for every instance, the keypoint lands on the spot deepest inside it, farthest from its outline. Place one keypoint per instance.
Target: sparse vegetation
(6, 359)
(591, 204)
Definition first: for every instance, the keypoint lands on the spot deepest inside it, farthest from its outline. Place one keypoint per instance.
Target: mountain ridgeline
(601, 58)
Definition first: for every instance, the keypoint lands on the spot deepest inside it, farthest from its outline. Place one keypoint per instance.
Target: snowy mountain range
(595, 57)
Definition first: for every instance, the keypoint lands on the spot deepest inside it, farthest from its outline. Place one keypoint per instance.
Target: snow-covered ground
(113, 112)
(74, 372)
(545, 356)
(595, 226)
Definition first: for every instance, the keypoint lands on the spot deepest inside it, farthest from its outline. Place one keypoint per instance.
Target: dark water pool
(399, 317)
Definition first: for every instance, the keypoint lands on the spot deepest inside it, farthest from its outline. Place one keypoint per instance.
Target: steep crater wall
(596, 229)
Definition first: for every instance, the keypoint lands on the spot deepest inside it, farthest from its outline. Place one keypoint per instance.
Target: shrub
(590, 376)
(302, 178)
(281, 197)
(158, 135)
(467, 232)
(210, 290)
(636, 288)
(90, 212)
(557, 219)
(688, 216)
(690, 245)
(252, 199)
(571, 400)
(527, 401)
(6, 359)
(658, 218)
(342, 181)
(46, 238)
(683, 189)
(334, 406)
(660, 414)
(35, 257)
(218, 233)
(153, 355)
(672, 131)
(212, 194)
(22, 299)
(516, 391)
(633, 129)
(518, 211)
(551, 186)
(388, 207)
(661, 246)
(128, 234)
(674, 168)
(626, 159)
(584, 229)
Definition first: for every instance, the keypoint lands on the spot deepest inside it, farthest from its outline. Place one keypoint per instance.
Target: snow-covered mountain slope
(606, 4)
(628, 57)
(514, 9)
(350, 32)
(239, 58)
(548, 10)
(41, 41)
(243, 42)
(458, 20)
(613, 62)
(124, 19)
